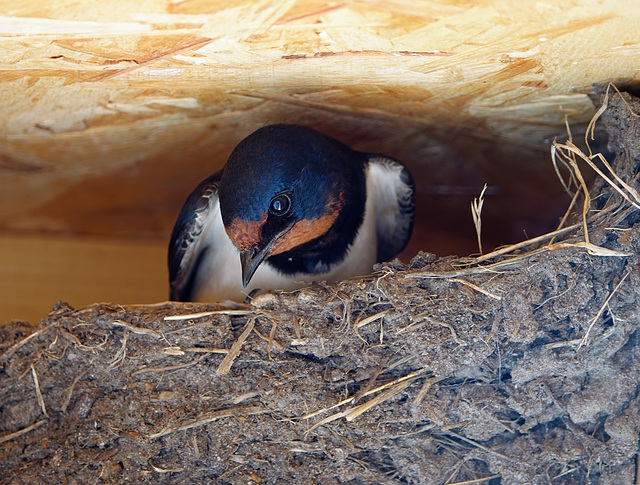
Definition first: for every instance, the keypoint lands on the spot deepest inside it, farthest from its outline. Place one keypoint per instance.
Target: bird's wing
(394, 192)
(187, 248)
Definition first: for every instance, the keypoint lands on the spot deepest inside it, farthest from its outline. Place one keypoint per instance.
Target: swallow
(290, 207)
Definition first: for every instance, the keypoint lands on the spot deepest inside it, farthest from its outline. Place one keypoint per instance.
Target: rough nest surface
(518, 368)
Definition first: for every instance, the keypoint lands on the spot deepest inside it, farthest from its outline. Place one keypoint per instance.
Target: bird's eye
(280, 205)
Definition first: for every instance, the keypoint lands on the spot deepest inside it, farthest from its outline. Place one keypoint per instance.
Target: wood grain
(113, 111)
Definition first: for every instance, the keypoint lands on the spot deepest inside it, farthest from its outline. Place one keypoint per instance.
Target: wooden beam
(38, 271)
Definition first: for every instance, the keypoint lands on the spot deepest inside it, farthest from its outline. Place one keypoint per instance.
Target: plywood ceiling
(112, 110)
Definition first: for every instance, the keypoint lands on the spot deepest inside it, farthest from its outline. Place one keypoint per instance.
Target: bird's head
(283, 186)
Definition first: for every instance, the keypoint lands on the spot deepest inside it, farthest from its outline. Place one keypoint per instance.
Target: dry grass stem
(591, 249)
(352, 413)
(477, 288)
(476, 213)
(390, 389)
(371, 382)
(389, 393)
(208, 350)
(585, 339)
(475, 480)
(19, 433)
(209, 417)
(137, 330)
(372, 391)
(207, 314)
(122, 352)
(523, 244)
(370, 319)
(271, 341)
(478, 445)
(571, 161)
(173, 350)
(227, 362)
(38, 392)
(15, 347)
(425, 389)
(457, 273)
(67, 399)
(163, 470)
(144, 370)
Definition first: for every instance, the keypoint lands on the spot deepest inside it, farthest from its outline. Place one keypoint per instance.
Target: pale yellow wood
(37, 272)
(94, 91)
(111, 111)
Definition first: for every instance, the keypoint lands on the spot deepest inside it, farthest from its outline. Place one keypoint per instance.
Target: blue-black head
(283, 186)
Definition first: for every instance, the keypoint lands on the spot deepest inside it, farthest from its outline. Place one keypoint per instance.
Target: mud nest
(516, 367)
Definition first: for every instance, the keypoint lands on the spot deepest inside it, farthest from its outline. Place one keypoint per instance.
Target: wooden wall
(111, 111)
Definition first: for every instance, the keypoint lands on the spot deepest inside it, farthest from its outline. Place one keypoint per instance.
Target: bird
(291, 207)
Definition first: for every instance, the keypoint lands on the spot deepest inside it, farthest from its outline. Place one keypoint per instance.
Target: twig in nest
(478, 445)
(15, 347)
(567, 152)
(477, 288)
(137, 330)
(272, 338)
(38, 393)
(19, 433)
(372, 318)
(168, 367)
(425, 389)
(207, 314)
(227, 362)
(212, 416)
(209, 350)
(528, 242)
(383, 396)
(476, 480)
(421, 319)
(604, 305)
(67, 399)
(372, 380)
(122, 353)
(391, 389)
(163, 470)
(476, 212)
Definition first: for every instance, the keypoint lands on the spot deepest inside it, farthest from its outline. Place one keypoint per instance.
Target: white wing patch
(391, 184)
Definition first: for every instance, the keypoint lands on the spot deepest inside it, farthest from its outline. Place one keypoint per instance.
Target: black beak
(253, 257)
(250, 260)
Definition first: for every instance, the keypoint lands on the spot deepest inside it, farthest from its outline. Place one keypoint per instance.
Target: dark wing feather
(186, 248)
(395, 204)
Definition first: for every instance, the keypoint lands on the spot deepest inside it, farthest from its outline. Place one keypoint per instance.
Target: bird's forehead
(245, 234)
